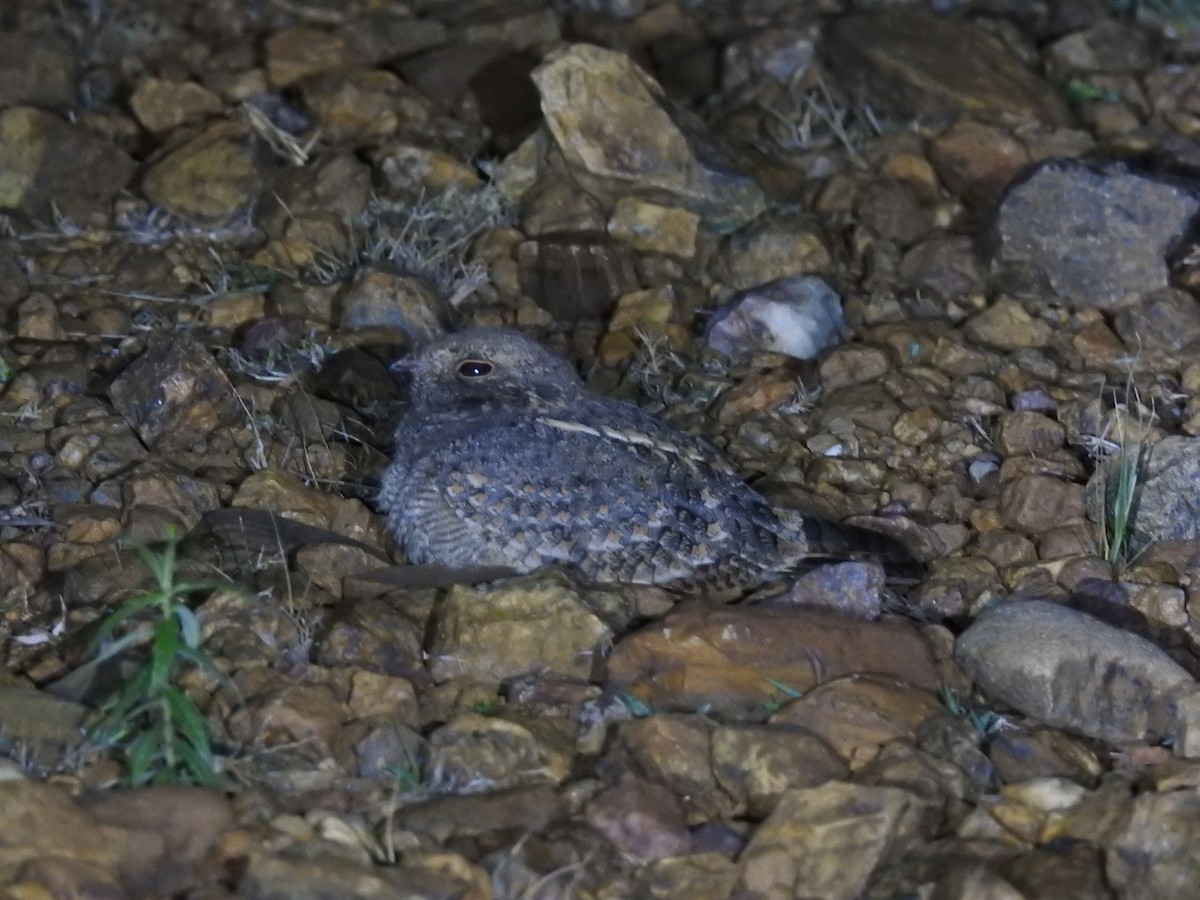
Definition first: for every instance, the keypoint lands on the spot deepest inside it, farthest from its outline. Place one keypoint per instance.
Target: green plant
(156, 729)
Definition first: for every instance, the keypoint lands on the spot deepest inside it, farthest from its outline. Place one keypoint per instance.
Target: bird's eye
(474, 368)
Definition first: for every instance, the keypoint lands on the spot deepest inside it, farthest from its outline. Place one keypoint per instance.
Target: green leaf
(188, 720)
(162, 653)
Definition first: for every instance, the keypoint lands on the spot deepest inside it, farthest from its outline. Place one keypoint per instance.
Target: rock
(36, 70)
(576, 277)
(207, 179)
(307, 715)
(310, 207)
(520, 626)
(381, 297)
(1006, 325)
(315, 876)
(1072, 671)
(642, 819)
(1034, 503)
(1020, 433)
(1166, 494)
(38, 319)
(800, 316)
(648, 310)
(364, 106)
(1042, 753)
(977, 161)
(1162, 322)
(914, 64)
(651, 228)
(43, 158)
(474, 751)
(851, 365)
(728, 659)
(162, 105)
(852, 589)
(187, 821)
(413, 172)
(527, 809)
(175, 395)
(591, 95)
(32, 717)
(1152, 855)
(295, 53)
(769, 249)
(758, 764)
(858, 715)
(675, 750)
(1057, 228)
(825, 842)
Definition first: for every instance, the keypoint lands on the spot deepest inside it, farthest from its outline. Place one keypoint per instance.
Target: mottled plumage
(506, 458)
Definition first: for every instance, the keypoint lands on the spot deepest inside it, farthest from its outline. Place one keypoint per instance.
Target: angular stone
(825, 842)
(514, 628)
(175, 395)
(42, 161)
(597, 101)
(207, 179)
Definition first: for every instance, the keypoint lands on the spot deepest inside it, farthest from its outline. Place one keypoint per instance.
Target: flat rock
(732, 659)
(1074, 672)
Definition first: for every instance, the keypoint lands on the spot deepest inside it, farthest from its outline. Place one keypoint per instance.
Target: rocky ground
(930, 274)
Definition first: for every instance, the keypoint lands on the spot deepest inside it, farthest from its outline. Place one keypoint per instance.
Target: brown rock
(43, 159)
(676, 751)
(591, 95)
(1152, 856)
(769, 249)
(827, 841)
(162, 105)
(913, 63)
(1034, 503)
(293, 53)
(756, 764)
(36, 70)
(207, 179)
(576, 276)
(857, 715)
(364, 106)
(1006, 325)
(473, 751)
(1028, 432)
(642, 819)
(977, 161)
(520, 626)
(728, 658)
(175, 395)
(651, 228)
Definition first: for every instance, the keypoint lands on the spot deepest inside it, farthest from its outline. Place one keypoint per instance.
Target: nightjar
(505, 458)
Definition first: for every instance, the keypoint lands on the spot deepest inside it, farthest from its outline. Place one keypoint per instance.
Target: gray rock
(1095, 237)
(800, 316)
(1072, 671)
(1166, 504)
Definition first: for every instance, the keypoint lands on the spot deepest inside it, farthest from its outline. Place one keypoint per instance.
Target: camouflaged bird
(505, 458)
